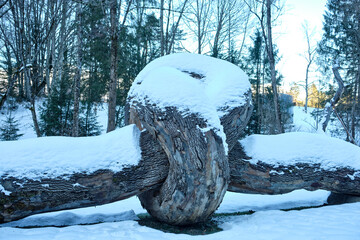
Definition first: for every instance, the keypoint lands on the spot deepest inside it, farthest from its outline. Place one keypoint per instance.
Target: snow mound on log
(223, 84)
(52, 157)
(192, 83)
(299, 147)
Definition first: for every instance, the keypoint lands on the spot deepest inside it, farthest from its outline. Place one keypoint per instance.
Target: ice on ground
(300, 147)
(58, 156)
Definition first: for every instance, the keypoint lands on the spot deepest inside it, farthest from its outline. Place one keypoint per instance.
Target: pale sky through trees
(290, 37)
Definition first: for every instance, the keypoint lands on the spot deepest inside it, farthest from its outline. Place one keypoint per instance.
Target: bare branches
(330, 105)
(309, 57)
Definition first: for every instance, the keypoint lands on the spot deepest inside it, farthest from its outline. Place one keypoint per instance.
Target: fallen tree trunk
(22, 197)
(264, 178)
(104, 186)
(182, 164)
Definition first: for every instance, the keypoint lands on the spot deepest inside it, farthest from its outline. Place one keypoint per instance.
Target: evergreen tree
(10, 128)
(340, 42)
(89, 125)
(257, 66)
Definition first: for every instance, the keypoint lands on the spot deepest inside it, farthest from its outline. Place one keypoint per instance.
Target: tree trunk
(262, 178)
(12, 80)
(80, 189)
(75, 126)
(307, 87)
(271, 58)
(198, 172)
(113, 66)
(162, 39)
(104, 186)
(34, 118)
(330, 105)
(354, 103)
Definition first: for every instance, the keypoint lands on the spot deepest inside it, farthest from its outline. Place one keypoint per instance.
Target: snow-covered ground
(268, 222)
(118, 220)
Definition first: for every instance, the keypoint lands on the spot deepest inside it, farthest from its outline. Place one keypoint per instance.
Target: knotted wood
(29, 197)
(198, 172)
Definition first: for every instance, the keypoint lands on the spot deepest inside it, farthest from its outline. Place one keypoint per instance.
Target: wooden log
(198, 173)
(236, 119)
(263, 178)
(196, 107)
(29, 197)
(23, 197)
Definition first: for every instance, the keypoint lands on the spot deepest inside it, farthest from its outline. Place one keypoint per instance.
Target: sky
(290, 38)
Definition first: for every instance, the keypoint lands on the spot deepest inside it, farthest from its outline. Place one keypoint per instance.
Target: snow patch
(299, 147)
(70, 219)
(51, 157)
(355, 174)
(77, 185)
(276, 172)
(2, 189)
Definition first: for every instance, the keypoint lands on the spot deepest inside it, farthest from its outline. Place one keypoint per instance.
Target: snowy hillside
(119, 220)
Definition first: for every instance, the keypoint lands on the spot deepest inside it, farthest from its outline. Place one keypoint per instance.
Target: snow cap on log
(215, 89)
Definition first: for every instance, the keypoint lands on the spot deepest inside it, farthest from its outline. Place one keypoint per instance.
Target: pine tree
(10, 128)
(340, 42)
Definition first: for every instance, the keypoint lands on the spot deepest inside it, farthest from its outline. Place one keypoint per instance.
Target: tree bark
(330, 105)
(262, 178)
(75, 126)
(80, 189)
(198, 172)
(162, 39)
(113, 66)
(271, 58)
(30, 197)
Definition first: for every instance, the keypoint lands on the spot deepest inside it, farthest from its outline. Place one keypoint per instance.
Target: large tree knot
(196, 107)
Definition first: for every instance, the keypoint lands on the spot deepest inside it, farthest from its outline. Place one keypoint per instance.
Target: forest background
(64, 59)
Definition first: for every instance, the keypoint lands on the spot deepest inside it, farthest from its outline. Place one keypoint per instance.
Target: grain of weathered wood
(198, 172)
(31, 197)
(82, 189)
(262, 178)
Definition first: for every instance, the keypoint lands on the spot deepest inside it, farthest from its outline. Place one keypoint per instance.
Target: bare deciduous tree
(309, 57)
(262, 10)
(198, 21)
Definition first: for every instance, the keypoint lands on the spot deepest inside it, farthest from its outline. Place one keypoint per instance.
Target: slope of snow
(58, 156)
(291, 148)
(304, 122)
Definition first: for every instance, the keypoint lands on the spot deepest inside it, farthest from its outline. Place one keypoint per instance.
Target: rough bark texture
(81, 190)
(198, 173)
(113, 66)
(267, 179)
(329, 106)
(235, 121)
(31, 197)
